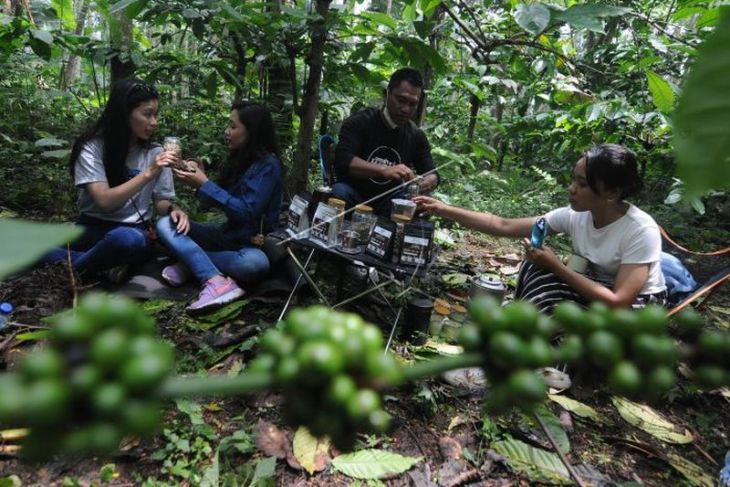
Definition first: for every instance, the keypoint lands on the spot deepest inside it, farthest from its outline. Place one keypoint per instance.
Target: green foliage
(372, 464)
(703, 115)
(661, 92)
(25, 242)
(534, 17)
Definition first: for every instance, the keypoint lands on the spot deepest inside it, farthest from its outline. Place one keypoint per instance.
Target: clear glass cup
(363, 221)
(172, 144)
(412, 190)
(402, 209)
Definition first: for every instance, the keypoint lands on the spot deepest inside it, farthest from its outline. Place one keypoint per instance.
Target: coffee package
(417, 243)
(324, 225)
(297, 223)
(380, 244)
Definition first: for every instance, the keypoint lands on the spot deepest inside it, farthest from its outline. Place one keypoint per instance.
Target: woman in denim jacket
(249, 192)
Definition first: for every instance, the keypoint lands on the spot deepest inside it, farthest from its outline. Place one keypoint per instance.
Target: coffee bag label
(324, 225)
(414, 250)
(297, 223)
(379, 242)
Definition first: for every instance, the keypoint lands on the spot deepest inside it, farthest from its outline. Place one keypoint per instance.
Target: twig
(473, 16)
(70, 268)
(466, 29)
(81, 103)
(10, 338)
(415, 440)
(554, 444)
(30, 327)
(705, 454)
(656, 25)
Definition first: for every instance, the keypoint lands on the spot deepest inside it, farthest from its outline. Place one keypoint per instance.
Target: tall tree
(310, 101)
(120, 37)
(72, 69)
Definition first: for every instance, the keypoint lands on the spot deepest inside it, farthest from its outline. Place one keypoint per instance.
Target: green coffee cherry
(331, 366)
(625, 378)
(93, 385)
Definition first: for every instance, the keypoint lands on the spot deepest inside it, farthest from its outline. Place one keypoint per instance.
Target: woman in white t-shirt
(120, 174)
(616, 246)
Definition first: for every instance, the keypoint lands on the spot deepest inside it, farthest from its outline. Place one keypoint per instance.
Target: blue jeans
(104, 245)
(205, 250)
(352, 197)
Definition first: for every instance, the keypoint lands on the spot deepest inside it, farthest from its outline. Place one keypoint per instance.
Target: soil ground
(443, 424)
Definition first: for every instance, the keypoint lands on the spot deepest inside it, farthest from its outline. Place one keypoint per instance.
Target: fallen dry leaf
(311, 453)
(450, 448)
(458, 296)
(457, 420)
(273, 441)
(566, 420)
(509, 270)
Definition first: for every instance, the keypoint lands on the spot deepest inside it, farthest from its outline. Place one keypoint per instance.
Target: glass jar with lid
(363, 221)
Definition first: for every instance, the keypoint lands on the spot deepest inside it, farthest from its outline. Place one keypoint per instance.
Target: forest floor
(242, 441)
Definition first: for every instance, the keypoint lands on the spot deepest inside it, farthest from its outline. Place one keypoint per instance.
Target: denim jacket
(252, 204)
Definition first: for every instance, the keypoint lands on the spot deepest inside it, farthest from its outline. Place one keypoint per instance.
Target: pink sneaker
(176, 275)
(216, 291)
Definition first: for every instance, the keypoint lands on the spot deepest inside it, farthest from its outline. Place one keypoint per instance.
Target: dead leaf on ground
(566, 421)
(272, 441)
(649, 420)
(311, 453)
(456, 472)
(641, 446)
(693, 472)
(457, 296)
(509, 270)
(457, 420)
(510, 258)
(450, 448)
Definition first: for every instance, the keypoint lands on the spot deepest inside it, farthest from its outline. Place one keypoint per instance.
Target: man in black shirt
(380, 149)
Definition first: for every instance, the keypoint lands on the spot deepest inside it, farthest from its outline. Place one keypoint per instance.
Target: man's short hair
(411, 75)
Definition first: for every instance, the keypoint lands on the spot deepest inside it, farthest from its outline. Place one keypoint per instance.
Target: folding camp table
(380, 273)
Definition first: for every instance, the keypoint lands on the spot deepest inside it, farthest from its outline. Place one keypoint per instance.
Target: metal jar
(489, 285)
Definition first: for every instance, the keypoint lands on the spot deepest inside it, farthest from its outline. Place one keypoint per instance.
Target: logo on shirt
(384, 156)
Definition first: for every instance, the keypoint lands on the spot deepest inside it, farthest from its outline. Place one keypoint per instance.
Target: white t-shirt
(632, 239)
(90, 169)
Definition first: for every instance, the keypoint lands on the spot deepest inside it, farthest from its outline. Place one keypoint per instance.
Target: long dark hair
(260, 142)
(114, 129)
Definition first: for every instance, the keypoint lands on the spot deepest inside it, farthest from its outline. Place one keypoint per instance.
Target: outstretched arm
(484, 222)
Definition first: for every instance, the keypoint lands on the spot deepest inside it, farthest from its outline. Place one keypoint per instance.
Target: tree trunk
(498, 141)
(324, 123)
(280, 93)
(475, 104)
(241, 61)
(72, 69)
(428, 69)
(120, 37)
(310, 101)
